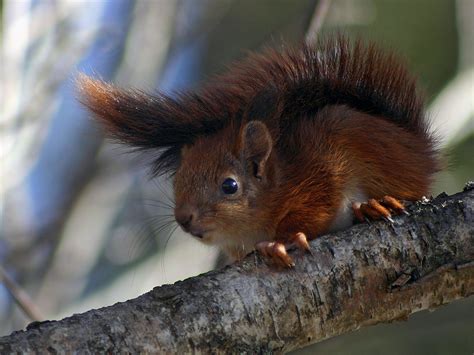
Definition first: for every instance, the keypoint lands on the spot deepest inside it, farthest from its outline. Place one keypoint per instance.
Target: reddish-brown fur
(297, 129)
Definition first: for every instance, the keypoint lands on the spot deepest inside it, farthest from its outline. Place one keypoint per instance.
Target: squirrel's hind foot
(378, 209)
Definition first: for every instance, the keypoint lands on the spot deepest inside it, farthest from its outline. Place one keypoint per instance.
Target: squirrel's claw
(394, 204)
(301, 241)
(275, 251)
(381, 210)
(357, 212)
(374, 210)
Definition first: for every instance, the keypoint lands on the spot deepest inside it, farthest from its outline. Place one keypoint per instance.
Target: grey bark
(355, 278)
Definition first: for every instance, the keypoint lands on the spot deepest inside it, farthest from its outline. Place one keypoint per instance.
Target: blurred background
(83, 226)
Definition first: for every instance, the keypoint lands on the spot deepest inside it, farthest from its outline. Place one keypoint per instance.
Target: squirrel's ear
(256, 145)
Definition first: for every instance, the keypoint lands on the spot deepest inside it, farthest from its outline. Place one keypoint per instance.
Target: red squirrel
(287, 145)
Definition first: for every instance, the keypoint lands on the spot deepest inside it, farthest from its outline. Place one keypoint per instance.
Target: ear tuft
(257, 145)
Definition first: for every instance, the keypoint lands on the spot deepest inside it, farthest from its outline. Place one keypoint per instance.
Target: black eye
(230, 186)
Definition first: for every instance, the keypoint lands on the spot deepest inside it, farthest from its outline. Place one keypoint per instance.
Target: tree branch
(358, 277)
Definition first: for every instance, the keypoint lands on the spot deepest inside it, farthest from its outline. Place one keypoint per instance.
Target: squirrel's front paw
(382, 209)
(276, 251)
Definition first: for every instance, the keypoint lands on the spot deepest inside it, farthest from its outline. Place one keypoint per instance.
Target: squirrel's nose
(185, 215)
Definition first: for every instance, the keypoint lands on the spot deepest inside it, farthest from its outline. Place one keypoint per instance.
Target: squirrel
(287, 145)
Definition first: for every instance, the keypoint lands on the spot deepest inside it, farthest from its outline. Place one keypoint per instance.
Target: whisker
(158, 218)
(165, 193)
(162, 227)
(151, 226)
(146, 233)
(157, 203)
(140, 240)
(170, 234)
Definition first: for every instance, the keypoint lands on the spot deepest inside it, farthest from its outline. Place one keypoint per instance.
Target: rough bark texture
(362, 276)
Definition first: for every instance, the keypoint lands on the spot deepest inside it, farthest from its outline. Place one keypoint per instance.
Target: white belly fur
(345, 216)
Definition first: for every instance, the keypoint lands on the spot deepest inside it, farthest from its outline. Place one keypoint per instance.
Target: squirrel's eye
(230, 186)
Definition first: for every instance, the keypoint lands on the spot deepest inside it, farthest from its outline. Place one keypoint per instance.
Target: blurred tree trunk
(358, 277)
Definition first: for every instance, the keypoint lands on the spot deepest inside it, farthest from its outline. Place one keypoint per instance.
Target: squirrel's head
(214, 144)
(222, 160)
(220, 181)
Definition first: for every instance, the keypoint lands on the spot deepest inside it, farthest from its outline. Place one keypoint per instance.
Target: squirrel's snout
(187, 218)
(185, 215)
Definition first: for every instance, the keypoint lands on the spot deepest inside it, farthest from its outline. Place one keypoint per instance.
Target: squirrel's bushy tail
(285, 84)
(335, 71)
